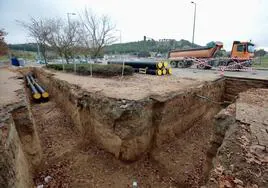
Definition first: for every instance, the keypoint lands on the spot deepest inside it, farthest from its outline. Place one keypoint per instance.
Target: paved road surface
(208, 74)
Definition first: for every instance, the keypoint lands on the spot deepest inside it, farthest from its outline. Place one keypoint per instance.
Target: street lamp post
(123, 67)
(194, 22)
(120, 35)
(68, 16)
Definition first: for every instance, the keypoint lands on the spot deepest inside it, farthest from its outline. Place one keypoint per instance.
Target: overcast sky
(217, 20)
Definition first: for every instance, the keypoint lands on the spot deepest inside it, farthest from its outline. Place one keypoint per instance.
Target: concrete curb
(265, 69)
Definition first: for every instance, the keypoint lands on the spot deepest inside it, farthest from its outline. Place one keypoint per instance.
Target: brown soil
(242, 159)
(185, 161)
(186, 158)
(127, 87)
(72, 164)
(9, 84)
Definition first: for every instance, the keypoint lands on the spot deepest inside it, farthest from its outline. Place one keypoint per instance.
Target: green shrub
(102, 70)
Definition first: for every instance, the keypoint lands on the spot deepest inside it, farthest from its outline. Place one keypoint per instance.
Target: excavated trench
(160, 141)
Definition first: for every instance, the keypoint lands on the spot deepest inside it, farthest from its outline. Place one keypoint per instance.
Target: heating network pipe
(39, 88)
(141, 64)
(35, 93)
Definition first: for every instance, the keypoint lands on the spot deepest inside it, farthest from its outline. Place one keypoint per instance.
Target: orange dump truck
(241, 51)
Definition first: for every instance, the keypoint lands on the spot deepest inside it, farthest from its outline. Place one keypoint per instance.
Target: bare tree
(39, 31)
(97, 32)
(63, 37)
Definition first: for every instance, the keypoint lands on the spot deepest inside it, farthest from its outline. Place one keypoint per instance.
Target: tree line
(122, 48)
(149, 46)
(89, 35)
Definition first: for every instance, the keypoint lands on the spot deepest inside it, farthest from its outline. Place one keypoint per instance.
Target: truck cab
(242, 50)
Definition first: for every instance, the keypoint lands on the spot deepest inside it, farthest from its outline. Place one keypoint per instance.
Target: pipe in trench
(36, 95)
(39, 88)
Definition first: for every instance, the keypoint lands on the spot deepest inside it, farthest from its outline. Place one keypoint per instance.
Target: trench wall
(234, 86)
(180, 112)
(130, 128)
(20, 150)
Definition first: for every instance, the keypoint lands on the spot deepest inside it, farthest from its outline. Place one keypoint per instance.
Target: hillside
(32, 47)
(130, 47)
(149, 46)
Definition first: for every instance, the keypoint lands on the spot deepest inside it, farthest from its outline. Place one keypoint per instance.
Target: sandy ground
(9, 84)
(134, 87)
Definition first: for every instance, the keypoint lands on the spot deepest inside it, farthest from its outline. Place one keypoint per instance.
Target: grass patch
(261, 62)
(100, 70)
(4, 58)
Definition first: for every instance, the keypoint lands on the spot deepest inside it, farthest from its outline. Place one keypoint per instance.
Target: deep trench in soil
(71, 161)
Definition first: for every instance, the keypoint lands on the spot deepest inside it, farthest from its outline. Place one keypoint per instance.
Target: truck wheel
(188, 63)
(207, 67)
(233, 65)
(181, 64)
(201, 66)
(173, 64)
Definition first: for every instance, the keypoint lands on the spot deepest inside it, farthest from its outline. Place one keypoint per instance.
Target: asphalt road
(213, 73)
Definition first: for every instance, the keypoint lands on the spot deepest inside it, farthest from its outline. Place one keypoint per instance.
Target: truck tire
(188, 63)
(181, 64)
(173, 64)
(201, 66)
(232, 65)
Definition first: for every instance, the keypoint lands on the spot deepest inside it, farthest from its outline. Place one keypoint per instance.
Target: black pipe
(35, 93)
(149, 71)
(154, 72)
(139, 64)
(169, 71)
(38, 87)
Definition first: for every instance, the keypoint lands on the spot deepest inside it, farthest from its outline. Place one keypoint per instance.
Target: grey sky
(217, 20)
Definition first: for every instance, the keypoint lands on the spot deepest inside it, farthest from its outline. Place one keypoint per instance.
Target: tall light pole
(120, 35)
(68, 16)
(194, 22)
